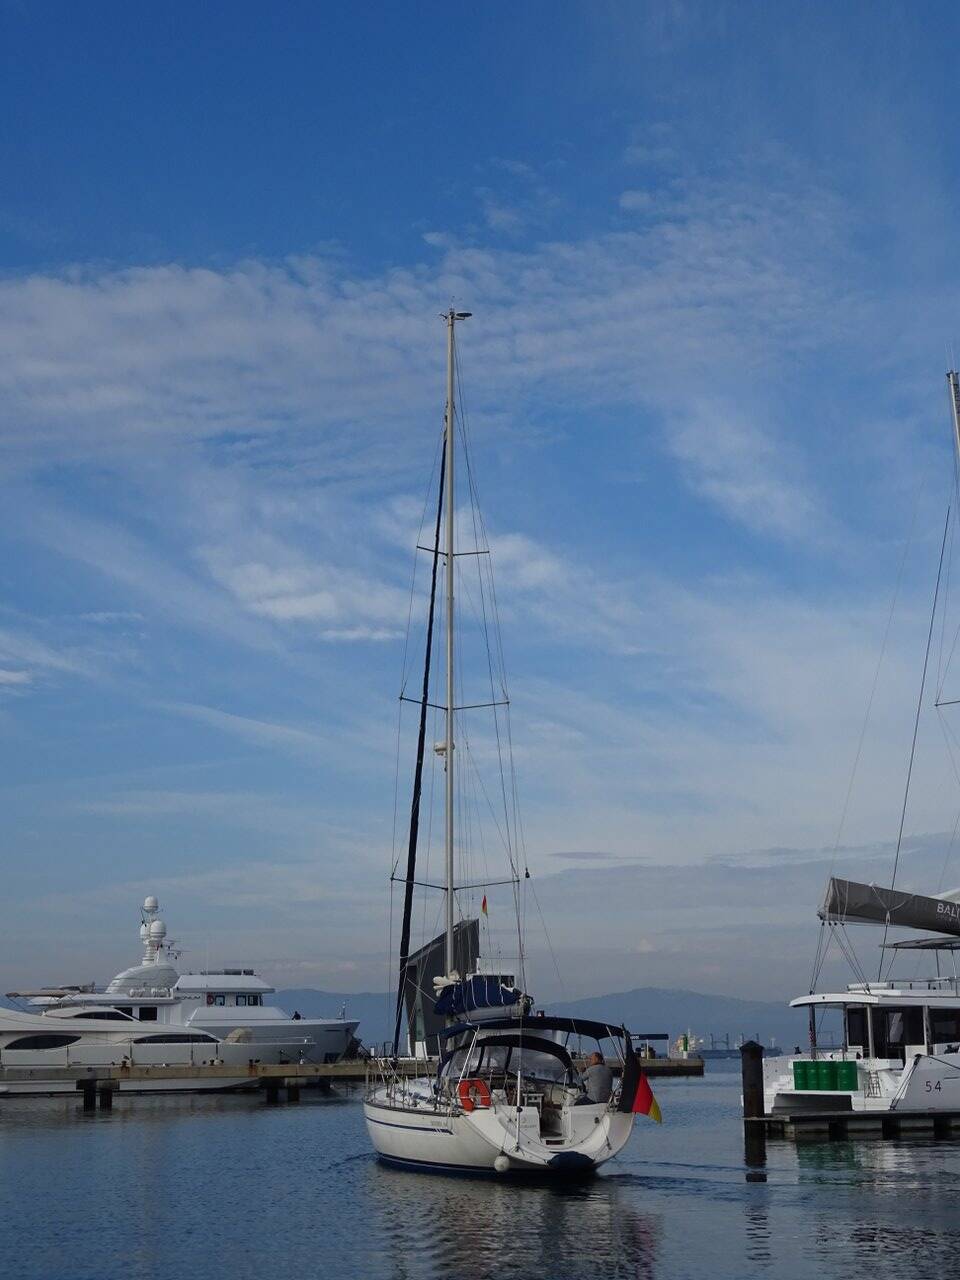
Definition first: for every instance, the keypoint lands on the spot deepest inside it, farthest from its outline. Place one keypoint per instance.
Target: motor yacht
(229, 1005)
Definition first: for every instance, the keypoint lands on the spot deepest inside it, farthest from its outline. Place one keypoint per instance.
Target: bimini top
(574, 1026)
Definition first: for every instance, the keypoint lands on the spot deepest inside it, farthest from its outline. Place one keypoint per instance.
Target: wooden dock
(100, 1084)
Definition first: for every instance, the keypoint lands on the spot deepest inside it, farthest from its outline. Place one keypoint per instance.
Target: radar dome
(158, 930)
(150, 903)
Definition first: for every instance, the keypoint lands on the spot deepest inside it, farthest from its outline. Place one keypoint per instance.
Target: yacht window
(176, 1038)
(125, 1009)
(112, 1015)
(242, 1000)
(43, 1042)
(147, 1013)
(219, 999)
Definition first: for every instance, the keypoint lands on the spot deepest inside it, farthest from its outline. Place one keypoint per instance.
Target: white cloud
(636, 201)
(8, 677)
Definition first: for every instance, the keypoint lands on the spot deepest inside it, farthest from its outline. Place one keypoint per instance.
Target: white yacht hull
(490, 1139)
(318, 1040)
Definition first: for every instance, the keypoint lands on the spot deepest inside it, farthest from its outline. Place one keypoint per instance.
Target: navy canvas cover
(481, 991)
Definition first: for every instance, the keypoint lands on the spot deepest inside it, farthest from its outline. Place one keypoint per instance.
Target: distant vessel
(901, 1036)
(689, 1045)
(507, 1096)
(226, 1004)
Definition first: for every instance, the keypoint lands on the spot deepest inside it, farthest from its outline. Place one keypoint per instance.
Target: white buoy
(501, 1164)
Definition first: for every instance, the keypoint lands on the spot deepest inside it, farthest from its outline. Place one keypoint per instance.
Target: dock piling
(751, 1070)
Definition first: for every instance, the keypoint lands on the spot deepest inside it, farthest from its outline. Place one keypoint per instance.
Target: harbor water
(227, 1186)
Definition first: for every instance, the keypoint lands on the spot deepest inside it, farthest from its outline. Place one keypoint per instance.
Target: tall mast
(450, 441)
(953, 380)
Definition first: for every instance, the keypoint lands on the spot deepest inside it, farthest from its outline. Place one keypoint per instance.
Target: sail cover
(479, 991)
(850, 902)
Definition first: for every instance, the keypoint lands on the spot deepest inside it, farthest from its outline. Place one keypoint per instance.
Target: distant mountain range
(652, 1009)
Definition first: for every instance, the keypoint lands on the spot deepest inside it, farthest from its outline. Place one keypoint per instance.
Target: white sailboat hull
(492, 1139)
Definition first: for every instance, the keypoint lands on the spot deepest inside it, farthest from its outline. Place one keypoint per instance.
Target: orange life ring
(473, 1094)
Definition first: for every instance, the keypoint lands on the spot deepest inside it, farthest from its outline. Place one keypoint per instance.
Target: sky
(707, 249)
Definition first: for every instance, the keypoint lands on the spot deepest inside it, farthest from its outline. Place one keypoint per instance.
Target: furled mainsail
(849, 902)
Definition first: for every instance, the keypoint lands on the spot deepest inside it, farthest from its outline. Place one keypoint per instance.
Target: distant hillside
(643, 1009)
(657, 1009)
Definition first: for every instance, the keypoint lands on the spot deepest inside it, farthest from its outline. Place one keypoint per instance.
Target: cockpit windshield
(534, 1059)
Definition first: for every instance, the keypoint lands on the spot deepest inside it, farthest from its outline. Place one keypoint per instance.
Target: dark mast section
(418, 774)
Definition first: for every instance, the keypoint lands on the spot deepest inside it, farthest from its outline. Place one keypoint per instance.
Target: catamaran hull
(481, 1141)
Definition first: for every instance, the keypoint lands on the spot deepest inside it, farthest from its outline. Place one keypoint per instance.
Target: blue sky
(708, 251)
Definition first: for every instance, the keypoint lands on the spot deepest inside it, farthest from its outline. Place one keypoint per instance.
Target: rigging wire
(876, 675)
(916, 726)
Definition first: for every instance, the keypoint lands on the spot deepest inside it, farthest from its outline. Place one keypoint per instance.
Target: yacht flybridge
(900, 1047)
(507, 1096)
(221, 1006)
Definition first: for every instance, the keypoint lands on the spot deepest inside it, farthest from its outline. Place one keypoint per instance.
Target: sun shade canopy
(573, 1026)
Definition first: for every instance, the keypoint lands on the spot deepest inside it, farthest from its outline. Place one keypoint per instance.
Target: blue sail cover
(481, 991)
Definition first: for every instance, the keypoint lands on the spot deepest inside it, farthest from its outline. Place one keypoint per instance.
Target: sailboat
(506, 1096)
(900, 1048)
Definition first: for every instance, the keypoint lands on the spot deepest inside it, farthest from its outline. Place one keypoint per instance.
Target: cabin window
(857, 1029)
(125, 1009)
(177, 1038)
(43, 1042)
(242, 1000)
(894, 1029)
(111, 1015)
(945, 1026)
(219, 999)
(147, 1013)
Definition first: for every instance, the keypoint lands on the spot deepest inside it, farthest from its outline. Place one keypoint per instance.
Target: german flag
(636, 1096)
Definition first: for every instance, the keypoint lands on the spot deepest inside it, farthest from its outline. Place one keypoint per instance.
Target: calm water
(227, 1188)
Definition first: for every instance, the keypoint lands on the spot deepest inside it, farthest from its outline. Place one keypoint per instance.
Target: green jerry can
(801, 1074)
(847, 1076)
(826, 1074)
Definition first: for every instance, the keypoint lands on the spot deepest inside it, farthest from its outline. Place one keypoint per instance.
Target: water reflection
(473, 1228)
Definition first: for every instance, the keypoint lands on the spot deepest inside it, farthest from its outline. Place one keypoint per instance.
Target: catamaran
(507, 1096)
(900, 1049)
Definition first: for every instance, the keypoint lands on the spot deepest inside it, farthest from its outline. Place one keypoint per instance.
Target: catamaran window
(147, 1013)
(945, 1026)
(894, 1029)
(857, 1028)
(43, 1042)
